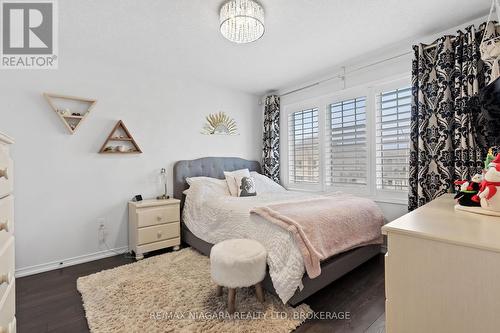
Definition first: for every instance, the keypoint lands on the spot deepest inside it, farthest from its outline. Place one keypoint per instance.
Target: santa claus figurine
(489, 193)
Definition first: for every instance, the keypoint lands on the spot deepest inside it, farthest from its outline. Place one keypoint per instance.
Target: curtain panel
(271, 142)
(447, 130)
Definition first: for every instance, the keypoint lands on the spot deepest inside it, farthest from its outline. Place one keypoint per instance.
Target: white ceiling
(302, 37)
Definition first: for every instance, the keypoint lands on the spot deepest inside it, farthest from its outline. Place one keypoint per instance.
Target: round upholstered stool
(238, 263)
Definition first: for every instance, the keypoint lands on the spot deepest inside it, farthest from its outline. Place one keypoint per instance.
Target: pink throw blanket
(327, 226)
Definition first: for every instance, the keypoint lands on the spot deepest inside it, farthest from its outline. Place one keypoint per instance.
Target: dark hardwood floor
(49, 302)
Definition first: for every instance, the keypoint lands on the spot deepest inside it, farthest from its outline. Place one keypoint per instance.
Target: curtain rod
(344, 73)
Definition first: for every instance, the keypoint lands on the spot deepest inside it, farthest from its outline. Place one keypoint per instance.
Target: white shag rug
(173, 292)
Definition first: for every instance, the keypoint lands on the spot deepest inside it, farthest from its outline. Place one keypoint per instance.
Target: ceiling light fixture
(242, 21)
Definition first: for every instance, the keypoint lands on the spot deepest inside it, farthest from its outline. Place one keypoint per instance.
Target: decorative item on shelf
(163, 181)
(64, 112)
(71, 119)
(220, 124)
(120, 133)
(122, 149)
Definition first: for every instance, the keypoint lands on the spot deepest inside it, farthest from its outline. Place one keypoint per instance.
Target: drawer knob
(159, 218)
(11, 328)
(4, 173)
(5, 278)
(158, 235)
(4, 226)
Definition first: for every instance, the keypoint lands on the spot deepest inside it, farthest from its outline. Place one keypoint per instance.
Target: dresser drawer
(7, 311)
(6, 266)
(158, 245)
(158, 233)
(6, 219)
(6, 171)
(157, 215)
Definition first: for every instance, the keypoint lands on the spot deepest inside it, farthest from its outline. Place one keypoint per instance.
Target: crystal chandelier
(242, 21)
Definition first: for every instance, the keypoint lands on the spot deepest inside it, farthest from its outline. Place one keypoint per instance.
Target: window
(393, 139)
(356, 140)
(346, 147)
(303, 143)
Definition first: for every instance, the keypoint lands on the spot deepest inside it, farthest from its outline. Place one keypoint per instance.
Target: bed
(331, 269)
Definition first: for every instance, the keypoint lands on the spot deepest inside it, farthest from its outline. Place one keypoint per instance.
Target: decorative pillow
(207, 186)
(231, 180)
(246, 187)
(264, 184)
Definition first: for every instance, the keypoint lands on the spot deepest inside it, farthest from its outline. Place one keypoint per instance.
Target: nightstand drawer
(8, 310)
(158, 233)
(157, 215)
(6, 219)
(6, 266)
(158, 245)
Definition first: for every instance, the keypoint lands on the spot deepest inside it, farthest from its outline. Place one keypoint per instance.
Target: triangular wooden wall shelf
(72, 122)
(108, 148)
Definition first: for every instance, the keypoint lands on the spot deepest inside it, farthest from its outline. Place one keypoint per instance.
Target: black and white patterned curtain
(446, 127)
(271, 146)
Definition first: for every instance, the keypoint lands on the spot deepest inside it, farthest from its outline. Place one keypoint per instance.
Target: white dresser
(442, 271)
(153, 225)
(7, 268)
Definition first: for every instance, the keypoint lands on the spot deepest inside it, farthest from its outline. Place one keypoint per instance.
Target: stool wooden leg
(231, 302)
(219, 291)
(259, 292)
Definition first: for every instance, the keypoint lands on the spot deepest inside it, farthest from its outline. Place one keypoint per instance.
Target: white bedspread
(215, 219)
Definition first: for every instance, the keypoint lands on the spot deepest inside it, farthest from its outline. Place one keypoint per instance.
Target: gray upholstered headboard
(208, 167)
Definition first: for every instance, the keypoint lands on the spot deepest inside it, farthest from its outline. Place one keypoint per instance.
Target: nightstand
(153, 225)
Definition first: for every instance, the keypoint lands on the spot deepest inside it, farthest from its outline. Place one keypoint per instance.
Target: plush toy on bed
(468, 190)
(489, 193)
(247, 187)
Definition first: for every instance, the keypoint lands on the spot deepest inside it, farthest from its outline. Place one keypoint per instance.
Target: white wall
(63, 185)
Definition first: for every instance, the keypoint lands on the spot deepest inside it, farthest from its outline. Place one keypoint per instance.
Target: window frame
(293, 136)
(322, 102)
(284, 145)
(389, 195)
(337, 97)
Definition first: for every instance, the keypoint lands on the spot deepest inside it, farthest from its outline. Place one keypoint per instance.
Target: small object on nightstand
(163, 181)
(153, 225)
(137, 198)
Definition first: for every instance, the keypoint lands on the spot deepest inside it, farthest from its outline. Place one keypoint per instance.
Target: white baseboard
(35, 269)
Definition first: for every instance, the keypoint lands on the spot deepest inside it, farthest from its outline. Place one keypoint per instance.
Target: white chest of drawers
(442, 271)
(153, 225)
(7, 266)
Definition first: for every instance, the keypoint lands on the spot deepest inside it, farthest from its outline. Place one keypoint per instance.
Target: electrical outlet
(102, 235)
(101, 230)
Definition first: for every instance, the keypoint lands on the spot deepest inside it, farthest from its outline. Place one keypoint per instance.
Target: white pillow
(207, 186)
(246, 186)
(231, 180)
(264, 184)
